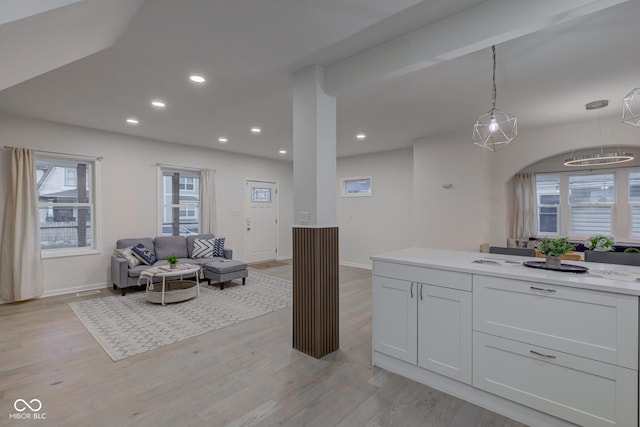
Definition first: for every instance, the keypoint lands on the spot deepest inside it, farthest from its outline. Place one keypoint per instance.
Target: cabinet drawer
(579, 390)
(429, 276)
(591, 324)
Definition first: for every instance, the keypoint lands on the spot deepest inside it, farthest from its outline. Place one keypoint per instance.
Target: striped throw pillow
(203, 248)
(218, 247)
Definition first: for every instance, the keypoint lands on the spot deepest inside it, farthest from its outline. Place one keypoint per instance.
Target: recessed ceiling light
(197, 78)
(132, 120)
(256, 129)
(223, 140)
(158, 103)
(282, 151)
(361, 136)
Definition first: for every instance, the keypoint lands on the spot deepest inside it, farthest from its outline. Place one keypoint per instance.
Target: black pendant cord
(495, 92)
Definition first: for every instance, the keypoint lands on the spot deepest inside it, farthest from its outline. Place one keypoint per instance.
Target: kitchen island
(542, 347)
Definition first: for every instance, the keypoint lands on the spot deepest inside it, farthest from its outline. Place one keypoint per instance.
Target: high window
(66, 204)
(356, 187)
(180, 204)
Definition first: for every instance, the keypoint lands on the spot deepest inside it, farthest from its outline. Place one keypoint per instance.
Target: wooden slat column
(316, 328)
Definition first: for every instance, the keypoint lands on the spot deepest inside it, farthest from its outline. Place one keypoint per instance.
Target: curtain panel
(20, 262)
(208, 201)
(524, 223)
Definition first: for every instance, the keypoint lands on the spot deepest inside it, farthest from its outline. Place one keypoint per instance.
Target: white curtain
(20, 262)
(208, 201)
(524, 223)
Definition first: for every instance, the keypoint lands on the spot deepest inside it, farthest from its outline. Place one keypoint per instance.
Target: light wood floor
(243, 375)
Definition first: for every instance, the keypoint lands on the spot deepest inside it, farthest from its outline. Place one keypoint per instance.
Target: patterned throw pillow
(144, 254)
(203, 248)
(128, 255)
(218, 247)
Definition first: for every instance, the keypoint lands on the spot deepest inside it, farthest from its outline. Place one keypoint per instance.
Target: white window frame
(187, 207)
(94, 206)
(621, 227)
(345, 181)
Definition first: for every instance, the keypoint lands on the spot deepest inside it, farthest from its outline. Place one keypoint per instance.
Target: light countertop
(615, 278)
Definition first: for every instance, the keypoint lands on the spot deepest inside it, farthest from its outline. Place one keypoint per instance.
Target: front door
(261, 220)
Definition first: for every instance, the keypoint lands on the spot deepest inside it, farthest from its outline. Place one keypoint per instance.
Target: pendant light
(496, 128)
(600, 158)
(631, 108)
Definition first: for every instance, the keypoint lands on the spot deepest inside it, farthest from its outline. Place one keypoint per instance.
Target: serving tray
(562, 267)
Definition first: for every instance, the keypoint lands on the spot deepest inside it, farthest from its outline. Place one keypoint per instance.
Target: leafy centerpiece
(172, 260)
(600, 242)
(553, 249)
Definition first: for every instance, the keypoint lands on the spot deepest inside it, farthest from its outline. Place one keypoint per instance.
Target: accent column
(316, 329)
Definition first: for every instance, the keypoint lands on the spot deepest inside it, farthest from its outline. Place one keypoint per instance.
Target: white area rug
(128, 325)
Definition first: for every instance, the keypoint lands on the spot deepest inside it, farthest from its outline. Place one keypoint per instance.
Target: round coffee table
(173, 290)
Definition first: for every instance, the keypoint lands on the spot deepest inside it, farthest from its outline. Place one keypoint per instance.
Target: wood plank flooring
(243, 375)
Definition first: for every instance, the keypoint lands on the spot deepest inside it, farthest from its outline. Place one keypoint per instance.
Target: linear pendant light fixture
(496, 128)
(600, 158)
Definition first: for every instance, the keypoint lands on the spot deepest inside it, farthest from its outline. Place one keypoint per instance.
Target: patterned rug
(128, 325)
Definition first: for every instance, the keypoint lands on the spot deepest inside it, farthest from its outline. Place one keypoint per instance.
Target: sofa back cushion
(191, 238)
(171, 245)
(128, 243)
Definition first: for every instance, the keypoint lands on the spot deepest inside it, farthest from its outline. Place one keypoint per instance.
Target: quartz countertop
(615, 278)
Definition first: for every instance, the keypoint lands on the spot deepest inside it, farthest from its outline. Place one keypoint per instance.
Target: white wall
(128, 191)
(380, 223)
(458, 217)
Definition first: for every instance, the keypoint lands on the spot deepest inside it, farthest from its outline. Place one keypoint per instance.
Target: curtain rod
(7, 147)
(166, 165)
(570, 169)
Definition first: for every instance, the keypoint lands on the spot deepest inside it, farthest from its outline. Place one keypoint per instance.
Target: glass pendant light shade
(496, 128)
(631, 108)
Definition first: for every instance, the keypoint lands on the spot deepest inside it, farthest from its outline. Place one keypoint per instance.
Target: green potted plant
(172, 260)
(553, 249)
(600, 242)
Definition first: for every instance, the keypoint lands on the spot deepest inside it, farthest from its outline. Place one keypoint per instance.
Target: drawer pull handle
(421, 285)
(411, 290)
(548, 356)
(551, 291)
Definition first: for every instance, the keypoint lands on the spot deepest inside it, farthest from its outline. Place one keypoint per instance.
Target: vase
(172, 266)
(553, 261)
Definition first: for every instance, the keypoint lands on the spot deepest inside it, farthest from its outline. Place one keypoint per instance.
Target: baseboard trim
(355, 264)
(74, 289)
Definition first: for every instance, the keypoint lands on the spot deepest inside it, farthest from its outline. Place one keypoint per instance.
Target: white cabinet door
(395, 318)
(444, 331)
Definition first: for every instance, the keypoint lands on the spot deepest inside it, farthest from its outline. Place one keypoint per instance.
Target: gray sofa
(215, 269)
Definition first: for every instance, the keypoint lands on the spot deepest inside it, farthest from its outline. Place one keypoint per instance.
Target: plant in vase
(172, 260)
(553, 249)
(600, 242)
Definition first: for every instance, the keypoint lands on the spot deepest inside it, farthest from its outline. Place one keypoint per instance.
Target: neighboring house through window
(583, 203)
(180, 204)
(66, 204)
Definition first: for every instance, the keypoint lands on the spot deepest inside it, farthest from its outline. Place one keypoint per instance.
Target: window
(548, 204)
(260, 194)
(187, 183)
(634, 203)
(591, 198)
(180, 206)
(66, 204)
(356, 187)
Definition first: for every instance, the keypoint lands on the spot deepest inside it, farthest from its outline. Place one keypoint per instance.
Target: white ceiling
(249, 50)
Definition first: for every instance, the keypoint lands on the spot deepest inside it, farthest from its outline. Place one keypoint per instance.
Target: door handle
(421, 285)
(411, 290)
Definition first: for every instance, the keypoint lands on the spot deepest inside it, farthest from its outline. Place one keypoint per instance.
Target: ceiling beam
(488, 23)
